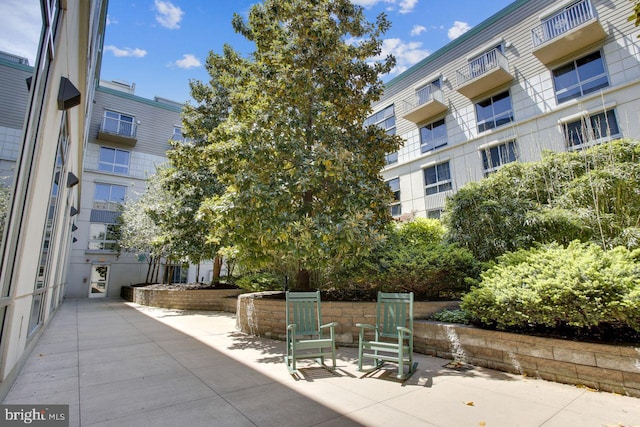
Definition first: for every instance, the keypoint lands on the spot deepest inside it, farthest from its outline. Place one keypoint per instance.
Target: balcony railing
(423, 95)
(425, 103)
(482, 65)
(119, 127)
(563, 21)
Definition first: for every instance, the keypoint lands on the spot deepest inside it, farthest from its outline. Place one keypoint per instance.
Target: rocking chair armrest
(329, 325)
(365, 325)
(402, 329)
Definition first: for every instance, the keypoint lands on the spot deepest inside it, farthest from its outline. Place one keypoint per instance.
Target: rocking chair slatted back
(393, 310)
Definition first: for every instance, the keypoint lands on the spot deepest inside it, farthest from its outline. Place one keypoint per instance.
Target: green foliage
(589, 195)
(301, 175)
(635, 16)
(581, 285)
(413, 259)
(258, 282)
(452, 316)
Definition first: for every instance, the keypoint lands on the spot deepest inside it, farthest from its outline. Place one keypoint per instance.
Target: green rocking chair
(393, 334)
(307, 337)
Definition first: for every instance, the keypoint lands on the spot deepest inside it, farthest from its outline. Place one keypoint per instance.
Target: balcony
(426, 103)
(118, 130)
(566, 32)
(483, 74)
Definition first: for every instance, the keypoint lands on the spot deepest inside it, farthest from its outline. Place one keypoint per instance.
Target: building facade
(128, 137)
(43, 129)
(538, 75)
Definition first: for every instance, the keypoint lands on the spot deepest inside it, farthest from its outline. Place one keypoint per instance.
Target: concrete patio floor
(121, 364)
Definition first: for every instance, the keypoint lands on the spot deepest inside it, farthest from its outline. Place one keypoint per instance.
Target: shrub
(413, 258)
(258, 282)
(452, 316)
(581, 285)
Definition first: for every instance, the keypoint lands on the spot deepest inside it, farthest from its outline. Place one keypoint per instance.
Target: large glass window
(495, 157)
(119, 124)
(495, 111)
(103, 237)
(580, 77)
(113, 160)
(437, 178)
(593, 129)
(433, 135)
(386, 120)
(396, 207)
(109, 197)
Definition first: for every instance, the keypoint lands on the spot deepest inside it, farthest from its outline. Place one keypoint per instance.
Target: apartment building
(538, 75)
(128, 137)
(43, 129)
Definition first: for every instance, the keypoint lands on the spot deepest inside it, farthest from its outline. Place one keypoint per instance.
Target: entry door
(99, 280)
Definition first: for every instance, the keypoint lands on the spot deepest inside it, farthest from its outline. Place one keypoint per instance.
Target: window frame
(440, 184)
(110, 115)
(100, 244)
(435, 143)
(494, 119)
(114, 166)
(386, 114)
(111, 203)
(503, 158)
(586, 125)
(395, 206)
(579, 81)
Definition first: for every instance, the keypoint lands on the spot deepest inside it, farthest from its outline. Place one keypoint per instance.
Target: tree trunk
(303, 280)
(149, 270)
(198, 273)
(217, 268)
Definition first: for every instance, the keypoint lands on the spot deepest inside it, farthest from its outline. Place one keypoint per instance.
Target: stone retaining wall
(602, 367)
(192, 299)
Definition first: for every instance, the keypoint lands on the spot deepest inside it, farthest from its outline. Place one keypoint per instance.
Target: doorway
(99, 280)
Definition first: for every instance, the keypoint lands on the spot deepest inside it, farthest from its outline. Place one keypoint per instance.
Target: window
(580, 77)
(118, 124)
(437, 178)
(495, 157)
(396, 207)
(495, 111)
(433, 135)
(103, 237)
(178, 273)
(386, 120)
(434, 214)
(113, 160)
(591, 130)
(109, 197)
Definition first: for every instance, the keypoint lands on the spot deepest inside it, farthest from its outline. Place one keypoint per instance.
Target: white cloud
(406, 53)
(111, 21)
(188, 61)
(418, 29)
(406, 6)
(20, 29)
(169, 15)
(458, 29)
(127, 51)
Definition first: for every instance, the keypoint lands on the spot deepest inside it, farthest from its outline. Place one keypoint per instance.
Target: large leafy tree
(301, 174)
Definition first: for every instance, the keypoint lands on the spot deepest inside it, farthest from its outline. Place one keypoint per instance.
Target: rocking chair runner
(393, 340)
(306, 335)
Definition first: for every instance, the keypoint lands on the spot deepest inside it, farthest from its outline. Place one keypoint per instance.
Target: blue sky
(161, 44)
